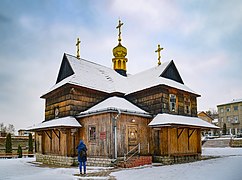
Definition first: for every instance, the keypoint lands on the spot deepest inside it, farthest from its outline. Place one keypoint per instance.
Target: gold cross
(159, 50)
(78, 48)
(119, 30)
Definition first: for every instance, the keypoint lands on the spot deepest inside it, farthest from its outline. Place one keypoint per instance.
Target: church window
(172, 102)
(222, 110)
(187, 105)
(92, 133)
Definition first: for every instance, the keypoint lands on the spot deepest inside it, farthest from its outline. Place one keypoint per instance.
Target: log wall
(156, 100)
(57, 142)
(71, 100)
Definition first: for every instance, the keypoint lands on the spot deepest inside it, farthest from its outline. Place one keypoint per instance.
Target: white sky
(202, 37)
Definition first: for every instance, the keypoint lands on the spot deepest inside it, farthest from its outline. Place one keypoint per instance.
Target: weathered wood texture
(71, 100)
(57, 142)
(156, 100)
(103, 145)
(175, 141)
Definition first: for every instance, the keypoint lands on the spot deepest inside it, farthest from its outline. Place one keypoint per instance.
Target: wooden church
(150, 115)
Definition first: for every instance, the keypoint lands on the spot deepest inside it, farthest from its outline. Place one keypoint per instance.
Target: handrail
(137, 151)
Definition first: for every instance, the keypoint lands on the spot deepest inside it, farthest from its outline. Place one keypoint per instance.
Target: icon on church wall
(57, 112)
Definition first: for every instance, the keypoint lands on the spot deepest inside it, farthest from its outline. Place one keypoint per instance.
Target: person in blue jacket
(82, 156)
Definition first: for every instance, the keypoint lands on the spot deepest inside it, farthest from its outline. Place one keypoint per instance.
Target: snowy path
(226, 167)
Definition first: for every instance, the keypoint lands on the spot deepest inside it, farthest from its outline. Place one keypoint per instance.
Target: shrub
(20, 153)
(8, 144)
(30, 151)
(224, 129)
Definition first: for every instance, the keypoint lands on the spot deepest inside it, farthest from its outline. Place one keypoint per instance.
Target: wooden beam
(190, 134)
(49, 135)
(179, 134)
(58, 136)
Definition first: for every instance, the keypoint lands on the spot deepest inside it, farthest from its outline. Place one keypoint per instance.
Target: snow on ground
(224, 168)
(214, 169)
(228, 151)
(18, 169)
(228, 166)
(22, 169)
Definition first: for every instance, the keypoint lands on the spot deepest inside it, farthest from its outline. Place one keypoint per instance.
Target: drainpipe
(115, 134)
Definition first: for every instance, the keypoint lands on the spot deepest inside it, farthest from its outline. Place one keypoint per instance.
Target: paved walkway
(105, 174)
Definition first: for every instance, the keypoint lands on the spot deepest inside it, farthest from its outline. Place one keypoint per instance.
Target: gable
(65, 70)
(172, 73)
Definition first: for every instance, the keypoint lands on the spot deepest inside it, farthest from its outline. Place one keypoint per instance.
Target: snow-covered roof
(152, 77)
(115, 104)
(178, 120)
(93, 76)
(231, 102)
(68, 121)
(98, 77)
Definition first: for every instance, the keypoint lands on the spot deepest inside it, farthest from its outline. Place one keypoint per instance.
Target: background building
(231, 114)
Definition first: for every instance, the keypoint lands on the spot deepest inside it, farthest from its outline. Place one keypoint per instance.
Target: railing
(135, 150)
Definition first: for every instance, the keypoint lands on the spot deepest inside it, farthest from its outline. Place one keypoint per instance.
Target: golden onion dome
(119, 51)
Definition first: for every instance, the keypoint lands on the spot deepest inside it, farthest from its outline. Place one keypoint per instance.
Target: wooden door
(132, 136)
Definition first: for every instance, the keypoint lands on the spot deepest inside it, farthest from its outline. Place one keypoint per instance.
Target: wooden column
(199, 142)
(64, 142)
(169, 141)
(40, 146)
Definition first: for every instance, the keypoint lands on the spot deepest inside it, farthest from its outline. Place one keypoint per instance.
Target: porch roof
(114, 104)
(162, 120)
(68, 121)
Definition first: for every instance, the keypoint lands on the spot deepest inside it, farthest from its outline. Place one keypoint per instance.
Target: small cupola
(119, 53)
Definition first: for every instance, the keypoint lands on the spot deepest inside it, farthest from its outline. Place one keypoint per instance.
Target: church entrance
(132, 136)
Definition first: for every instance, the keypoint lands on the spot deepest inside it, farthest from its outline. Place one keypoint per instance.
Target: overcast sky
(203, 37)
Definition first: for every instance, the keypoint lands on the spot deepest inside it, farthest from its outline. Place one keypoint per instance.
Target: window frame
(187, 105)
(236, 108)
(92, 135)
(228, 109)
(172, 103)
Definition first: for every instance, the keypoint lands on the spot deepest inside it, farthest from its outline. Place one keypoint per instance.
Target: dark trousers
(82, 163)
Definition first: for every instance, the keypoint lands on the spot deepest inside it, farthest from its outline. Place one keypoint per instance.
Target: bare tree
(7, 129)
(11, 129)
(3, 128)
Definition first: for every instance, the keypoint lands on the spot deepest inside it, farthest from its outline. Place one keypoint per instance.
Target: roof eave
(111, 110)
(52, 128)
(182, 125)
